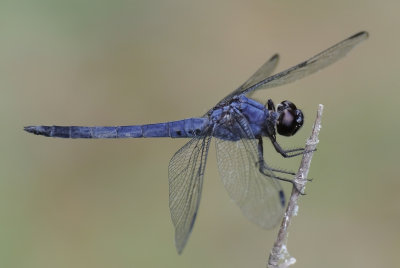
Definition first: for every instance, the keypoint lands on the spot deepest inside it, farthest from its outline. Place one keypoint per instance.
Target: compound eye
(290, 119)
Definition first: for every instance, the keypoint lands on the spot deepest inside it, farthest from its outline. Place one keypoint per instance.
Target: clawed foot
(299, 187)
(296, 152)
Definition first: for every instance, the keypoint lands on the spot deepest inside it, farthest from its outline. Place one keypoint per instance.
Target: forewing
(185, 173)
(310, 66)
(259, 197)
(264, 71)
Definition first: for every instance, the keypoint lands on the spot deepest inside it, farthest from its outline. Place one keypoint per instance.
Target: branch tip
(279, 256)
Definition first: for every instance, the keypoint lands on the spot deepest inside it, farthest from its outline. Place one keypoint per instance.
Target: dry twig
(279, 256)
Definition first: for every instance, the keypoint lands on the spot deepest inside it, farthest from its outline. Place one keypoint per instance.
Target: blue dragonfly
(238, 124)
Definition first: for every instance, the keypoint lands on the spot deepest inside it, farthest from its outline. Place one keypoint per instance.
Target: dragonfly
(238, 123)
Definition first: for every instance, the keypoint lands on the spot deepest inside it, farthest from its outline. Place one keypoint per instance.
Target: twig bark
(279, 256)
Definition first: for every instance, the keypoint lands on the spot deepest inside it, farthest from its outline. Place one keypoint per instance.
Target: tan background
(104, 203)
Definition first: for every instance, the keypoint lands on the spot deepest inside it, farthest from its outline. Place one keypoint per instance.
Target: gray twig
(279, 256)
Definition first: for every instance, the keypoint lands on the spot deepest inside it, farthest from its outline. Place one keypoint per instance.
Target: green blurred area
(104, 203)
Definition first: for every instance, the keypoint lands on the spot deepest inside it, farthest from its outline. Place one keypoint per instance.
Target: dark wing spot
(282, 197)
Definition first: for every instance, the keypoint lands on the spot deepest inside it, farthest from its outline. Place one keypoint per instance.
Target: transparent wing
(310, 66)
(185, 173)
(264, 71)
(259, 197)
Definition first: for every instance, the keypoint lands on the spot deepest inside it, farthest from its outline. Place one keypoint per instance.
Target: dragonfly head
(290, 119)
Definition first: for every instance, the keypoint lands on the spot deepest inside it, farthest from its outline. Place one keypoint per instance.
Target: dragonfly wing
(259, 197)
(310, 66)
(185, 173)
(264, 71)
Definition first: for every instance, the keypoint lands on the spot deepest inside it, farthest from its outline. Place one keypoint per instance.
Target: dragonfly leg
(288, 153)
(264, 168)
(279, 170)
(270, 105)
(263, 165)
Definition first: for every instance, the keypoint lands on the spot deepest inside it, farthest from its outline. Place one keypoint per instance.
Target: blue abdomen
(185, 128)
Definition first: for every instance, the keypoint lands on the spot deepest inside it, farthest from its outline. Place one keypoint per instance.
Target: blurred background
(104, 203)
